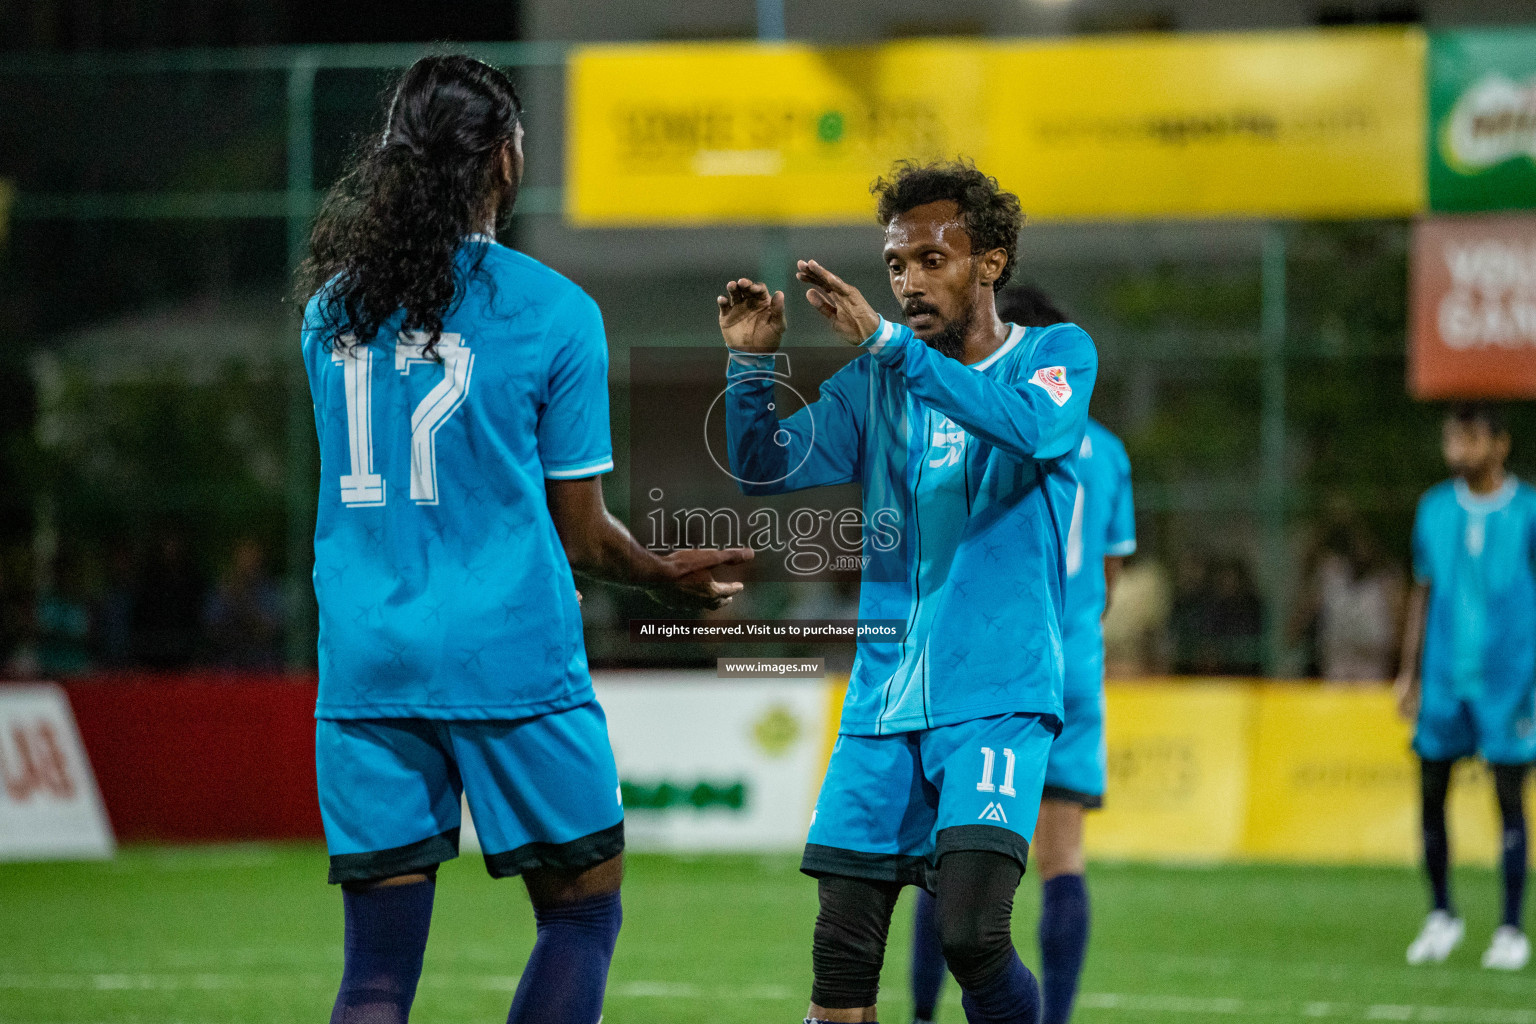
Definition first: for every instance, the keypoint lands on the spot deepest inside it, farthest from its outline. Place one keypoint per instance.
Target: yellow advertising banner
(1334, 779)
(1286, 124)
(1178, 771)
(709, 134)
(1327, 123)
(1213, 770)
(1273, 771)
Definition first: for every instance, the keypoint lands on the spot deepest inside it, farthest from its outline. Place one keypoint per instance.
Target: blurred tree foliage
(1189, 332)
(121, 462)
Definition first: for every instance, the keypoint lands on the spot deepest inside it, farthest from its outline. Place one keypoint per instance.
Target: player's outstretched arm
(815, 446)
(1041, 418)
(598, 545)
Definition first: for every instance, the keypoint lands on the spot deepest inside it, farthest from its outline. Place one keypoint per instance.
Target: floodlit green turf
(230, 935)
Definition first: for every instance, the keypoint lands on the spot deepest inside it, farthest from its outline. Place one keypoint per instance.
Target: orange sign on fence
(1472, 331)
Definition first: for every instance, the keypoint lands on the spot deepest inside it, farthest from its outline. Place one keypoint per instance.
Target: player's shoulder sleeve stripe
(593, 468)
(1122, 549)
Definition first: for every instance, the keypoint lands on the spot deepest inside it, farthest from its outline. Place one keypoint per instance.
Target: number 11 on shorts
(988, 764)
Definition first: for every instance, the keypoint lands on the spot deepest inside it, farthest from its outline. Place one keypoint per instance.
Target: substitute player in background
(969, 428)
(1102, 535)
(1472, 616)
(461, 399)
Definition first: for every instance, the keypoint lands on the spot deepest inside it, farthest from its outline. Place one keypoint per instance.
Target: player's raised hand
(691, 585)
(844, 306)
(751, 320)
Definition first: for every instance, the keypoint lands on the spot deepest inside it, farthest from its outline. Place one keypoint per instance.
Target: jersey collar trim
(1014, 337)
(1489, 502)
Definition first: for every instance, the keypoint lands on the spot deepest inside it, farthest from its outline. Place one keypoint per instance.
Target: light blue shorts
(1501, 729)
(891, 806)
(543, 791)
(1077, 768)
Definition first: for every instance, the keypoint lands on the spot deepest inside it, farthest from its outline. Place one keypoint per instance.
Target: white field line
(1174, 1005)
(138, 982)
(1188, 1006)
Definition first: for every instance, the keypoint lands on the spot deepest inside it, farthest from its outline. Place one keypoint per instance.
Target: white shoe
(1440, 935)
(1510, 950)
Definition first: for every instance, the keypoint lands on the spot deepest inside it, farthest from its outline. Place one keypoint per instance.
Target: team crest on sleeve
(1054, 380)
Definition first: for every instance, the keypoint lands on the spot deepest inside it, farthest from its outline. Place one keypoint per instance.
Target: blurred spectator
(114, 612)
(63, 622)
(1350, 603)
(17, 657)
(244, 613)
(1136, 637)
(167, 606)
(1217, 619)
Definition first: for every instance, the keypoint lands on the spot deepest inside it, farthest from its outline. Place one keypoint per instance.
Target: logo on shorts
(993, 812)
(1054, 380)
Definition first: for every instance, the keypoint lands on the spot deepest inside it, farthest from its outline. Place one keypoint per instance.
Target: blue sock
(928, 967)
(1514, 873)
(567, 971)
(1434, 784)
(1063, 943)
(386, 935)
(1013, 997)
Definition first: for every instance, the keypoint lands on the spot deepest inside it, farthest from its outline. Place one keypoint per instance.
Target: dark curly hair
(992, 217)
(389, 231)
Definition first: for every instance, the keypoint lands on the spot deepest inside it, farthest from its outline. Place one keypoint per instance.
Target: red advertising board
(1472, 319)
(202, 756)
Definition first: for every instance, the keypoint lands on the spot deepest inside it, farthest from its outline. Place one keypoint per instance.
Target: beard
(950, 341)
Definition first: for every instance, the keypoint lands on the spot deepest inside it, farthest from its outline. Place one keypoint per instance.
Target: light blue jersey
(443, 587)
(1477, 555)
(1103, 526)
(977, 467)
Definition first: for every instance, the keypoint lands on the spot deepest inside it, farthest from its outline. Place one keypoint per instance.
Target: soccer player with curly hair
(969, 429)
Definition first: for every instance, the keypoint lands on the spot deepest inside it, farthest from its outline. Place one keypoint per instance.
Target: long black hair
(388, 233)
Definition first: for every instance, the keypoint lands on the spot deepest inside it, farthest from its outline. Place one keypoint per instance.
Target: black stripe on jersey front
(577, 855)
(375, 865)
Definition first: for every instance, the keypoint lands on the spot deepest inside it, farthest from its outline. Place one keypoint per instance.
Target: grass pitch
(231, 935)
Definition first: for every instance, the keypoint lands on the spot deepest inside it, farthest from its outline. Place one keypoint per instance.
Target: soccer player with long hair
(460, 392)
(968, 428)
